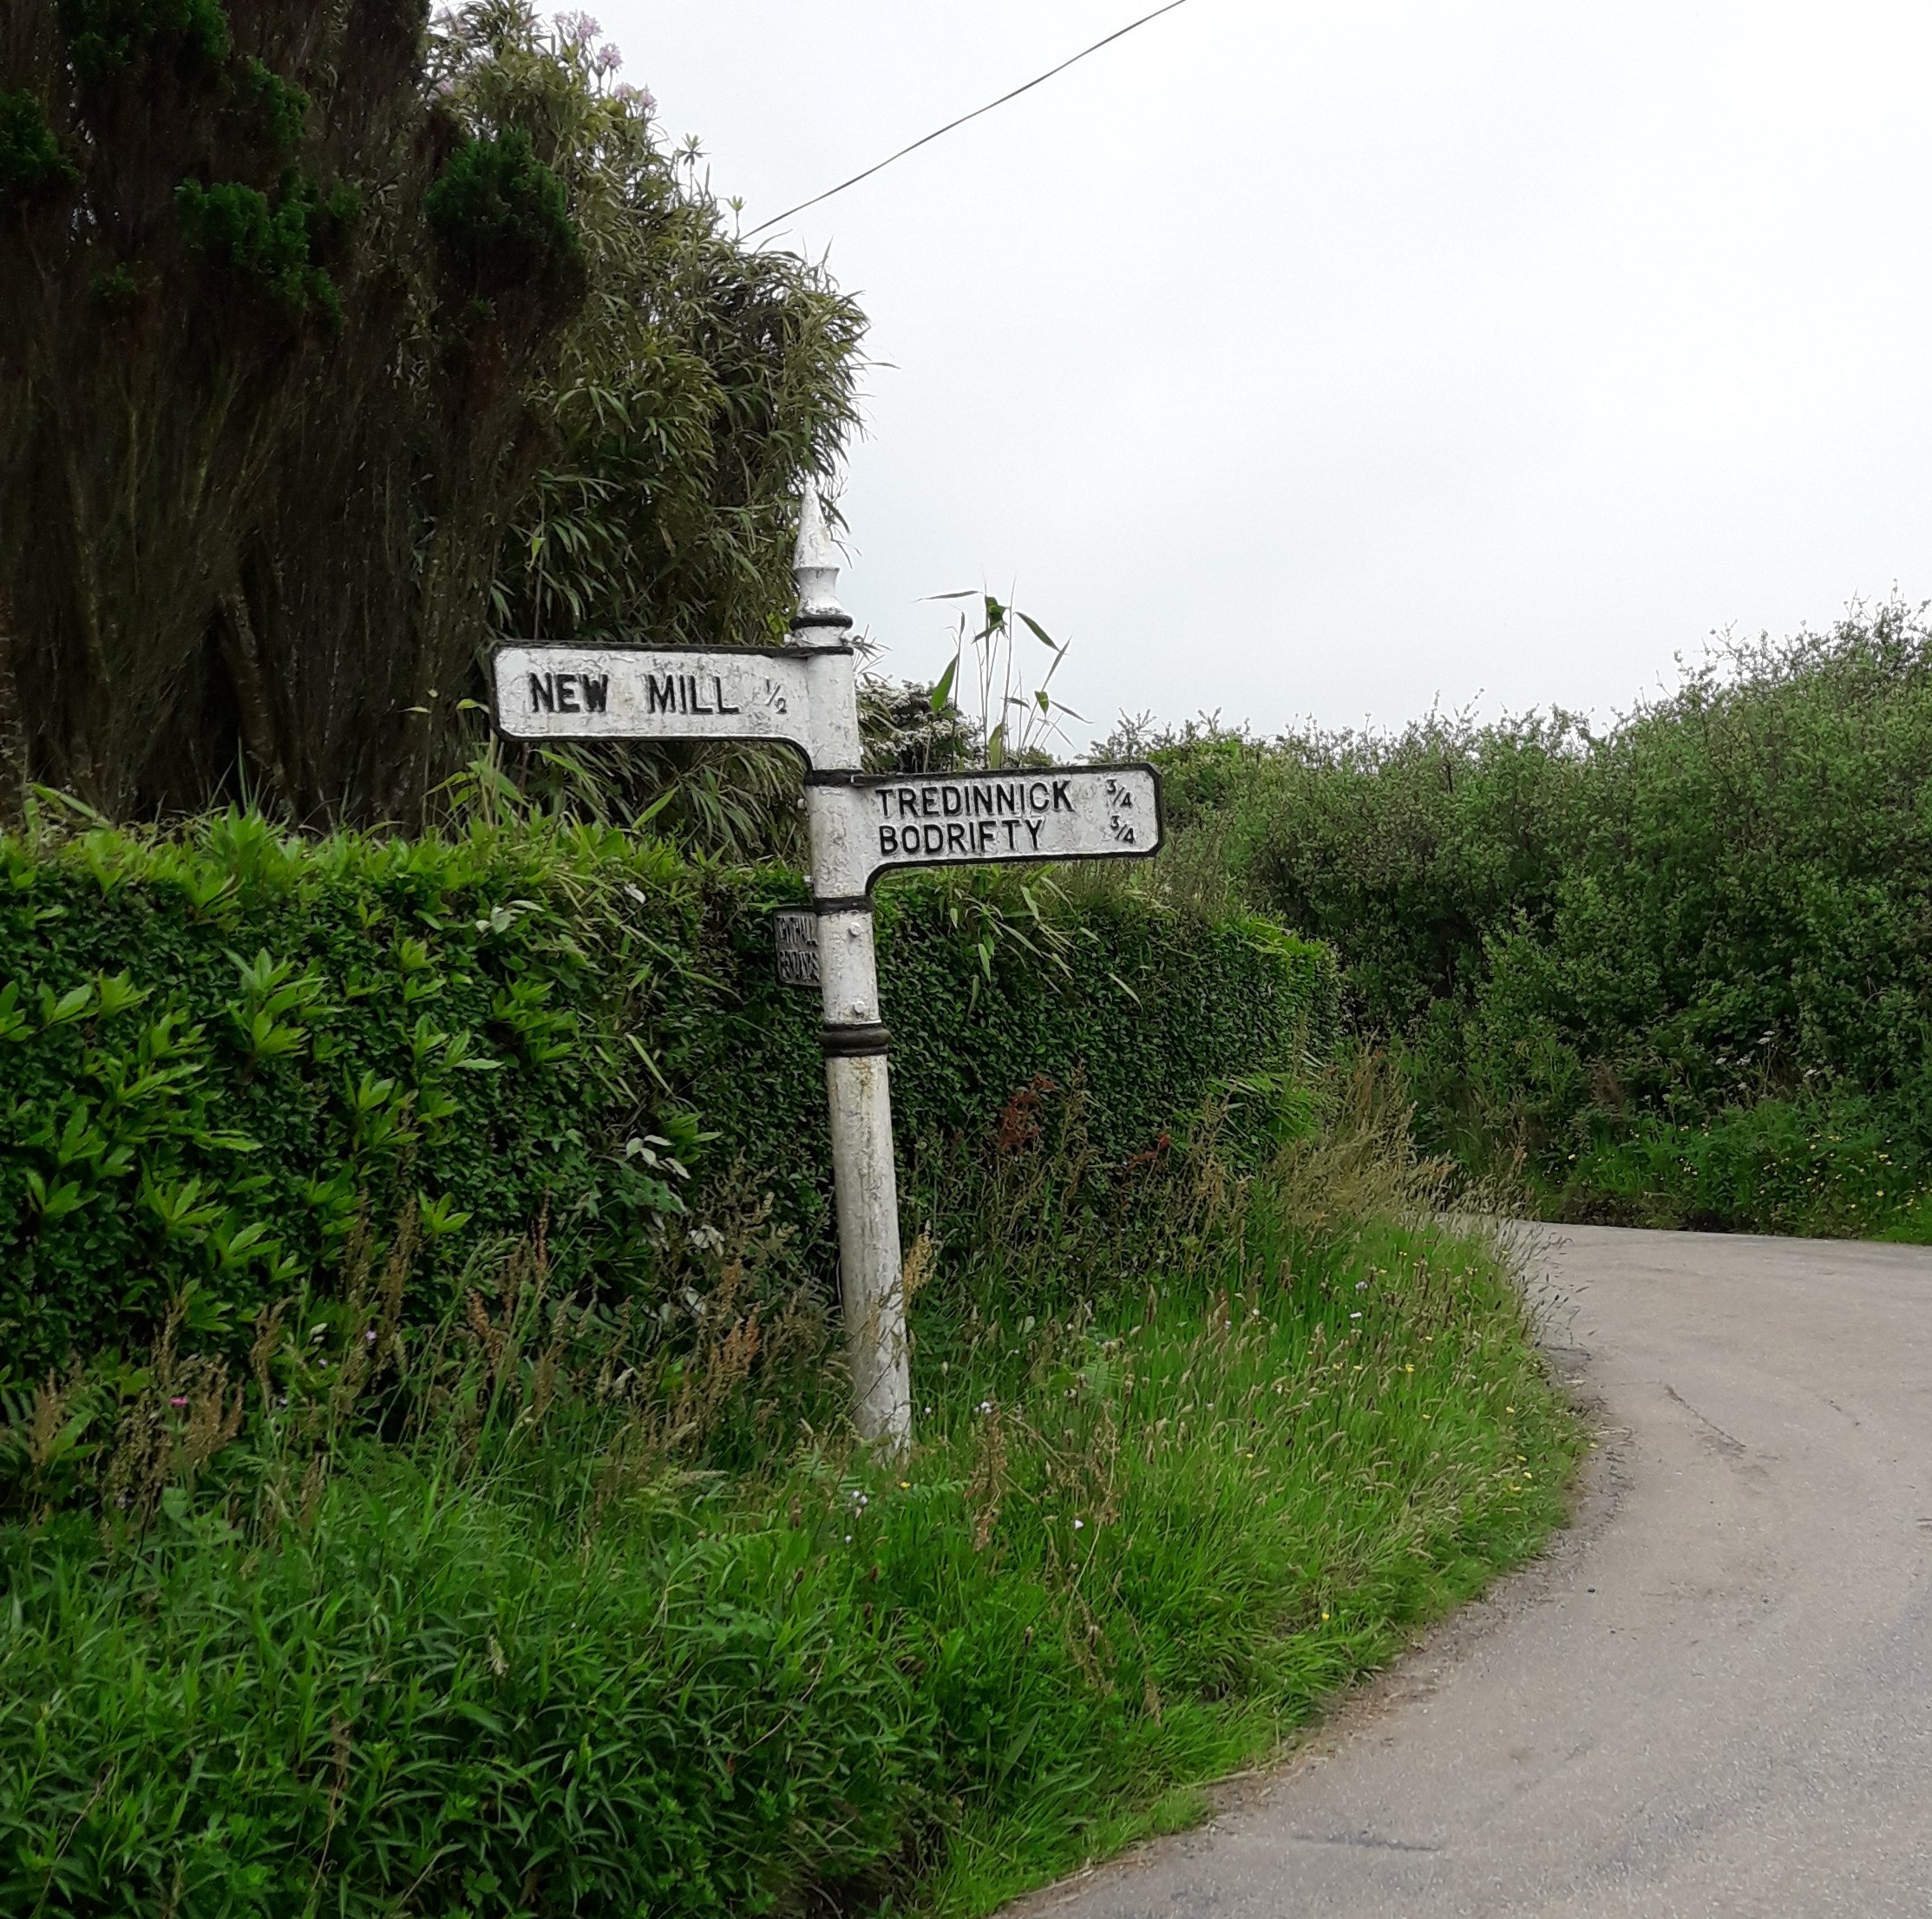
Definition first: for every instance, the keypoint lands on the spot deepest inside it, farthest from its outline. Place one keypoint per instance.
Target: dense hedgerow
(228, 1052)
(1682, 967)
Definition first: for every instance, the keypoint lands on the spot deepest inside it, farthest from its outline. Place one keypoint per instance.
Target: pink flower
(578, 28)
(177, 1402)
(609, 59)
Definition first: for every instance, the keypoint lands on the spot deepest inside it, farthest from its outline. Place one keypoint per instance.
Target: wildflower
(178, 1400)
(905, 1485)
(1080, 1525)
(1354, 1315)
(609, 59)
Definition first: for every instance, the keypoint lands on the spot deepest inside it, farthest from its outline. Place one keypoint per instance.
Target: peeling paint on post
(862, 825)
(865, 1181)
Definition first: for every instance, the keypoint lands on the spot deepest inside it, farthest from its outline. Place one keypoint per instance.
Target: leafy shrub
(1606, 953)
(503, 218)
(30, 157)
(233, 225)
(227, 1052)
(108, 38)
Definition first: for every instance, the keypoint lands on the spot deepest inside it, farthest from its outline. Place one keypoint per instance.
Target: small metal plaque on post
(795, 935)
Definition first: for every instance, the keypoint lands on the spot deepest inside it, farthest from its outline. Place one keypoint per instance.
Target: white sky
(1327, 359)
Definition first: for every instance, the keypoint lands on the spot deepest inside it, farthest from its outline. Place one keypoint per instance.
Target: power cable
(1119, 33)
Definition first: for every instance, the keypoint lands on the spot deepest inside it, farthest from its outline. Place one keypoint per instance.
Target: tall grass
(541, 1612)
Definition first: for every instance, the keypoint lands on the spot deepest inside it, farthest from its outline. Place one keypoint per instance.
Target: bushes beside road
(229, 1055)
(1682, 968)
(448, 1503)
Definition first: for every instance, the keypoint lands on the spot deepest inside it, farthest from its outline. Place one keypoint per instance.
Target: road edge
(1595, 1491)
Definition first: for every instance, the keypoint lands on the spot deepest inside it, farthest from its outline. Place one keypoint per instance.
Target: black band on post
(832, 775)
(801, 621)
(853, 1041)
(842, 902)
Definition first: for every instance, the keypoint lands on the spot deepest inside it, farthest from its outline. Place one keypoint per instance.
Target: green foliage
(1682, 968)
(232, 225)
(31, 161)
(502, 218)
(226, 1052)
(989, 987)
(522, 1658)
(283, 107)
(500, 367)
(115, 292)
(110, 38)
(691, 394)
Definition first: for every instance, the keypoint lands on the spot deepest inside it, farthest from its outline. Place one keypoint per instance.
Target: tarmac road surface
(1713, 1698)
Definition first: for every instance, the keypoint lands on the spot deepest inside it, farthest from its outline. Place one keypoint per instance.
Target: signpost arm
(865, 1179)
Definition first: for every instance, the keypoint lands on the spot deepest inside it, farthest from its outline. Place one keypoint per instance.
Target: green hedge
(227, 1054)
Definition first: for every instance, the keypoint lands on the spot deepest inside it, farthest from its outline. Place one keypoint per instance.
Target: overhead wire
(925, 139)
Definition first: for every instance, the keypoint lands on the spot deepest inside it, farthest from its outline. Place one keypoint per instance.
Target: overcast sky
(1329, 359)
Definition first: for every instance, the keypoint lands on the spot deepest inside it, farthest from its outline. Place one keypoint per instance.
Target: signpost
(861, 825)
(795, 944)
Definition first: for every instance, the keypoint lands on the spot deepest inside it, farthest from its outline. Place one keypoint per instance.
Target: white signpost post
(861, 825)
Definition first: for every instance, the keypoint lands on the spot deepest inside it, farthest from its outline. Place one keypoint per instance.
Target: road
(1713, 1698)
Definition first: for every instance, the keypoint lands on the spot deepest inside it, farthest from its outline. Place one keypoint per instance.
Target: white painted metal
(872, 1290)
(801, 694)
(857, 1084)
(871, 825)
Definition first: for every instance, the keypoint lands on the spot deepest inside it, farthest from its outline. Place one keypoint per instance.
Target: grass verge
(533, 1627)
